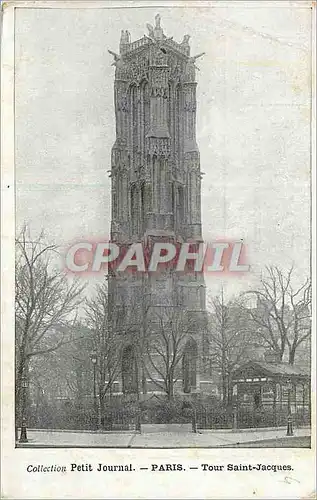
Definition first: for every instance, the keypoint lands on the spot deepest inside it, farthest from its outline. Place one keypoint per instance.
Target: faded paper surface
(254, 130)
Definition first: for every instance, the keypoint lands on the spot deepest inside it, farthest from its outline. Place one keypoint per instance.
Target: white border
(16, 483)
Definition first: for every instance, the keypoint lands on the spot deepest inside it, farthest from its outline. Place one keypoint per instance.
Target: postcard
(158, 190)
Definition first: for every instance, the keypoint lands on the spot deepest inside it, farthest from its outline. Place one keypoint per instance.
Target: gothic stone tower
(156, 186)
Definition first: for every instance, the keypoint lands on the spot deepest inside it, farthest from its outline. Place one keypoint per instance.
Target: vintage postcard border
(19, 484)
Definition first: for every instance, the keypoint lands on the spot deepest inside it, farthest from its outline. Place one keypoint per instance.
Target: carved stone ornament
(190, 106)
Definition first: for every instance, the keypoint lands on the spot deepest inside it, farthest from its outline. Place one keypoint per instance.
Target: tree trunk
(223, 372)
(19, 402)
(144, 388)
(101, 412)
(224, 388)
(229, 391)
(291, 358)
(79, 384)
(282, 349)
(170, 387)
(38, 397)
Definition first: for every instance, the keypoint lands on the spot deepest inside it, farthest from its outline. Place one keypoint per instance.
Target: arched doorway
(190, 366)
(129, 370)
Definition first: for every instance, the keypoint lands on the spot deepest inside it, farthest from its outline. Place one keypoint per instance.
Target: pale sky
(253, 123)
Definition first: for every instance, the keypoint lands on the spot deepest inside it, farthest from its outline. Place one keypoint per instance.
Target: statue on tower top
(157, 32)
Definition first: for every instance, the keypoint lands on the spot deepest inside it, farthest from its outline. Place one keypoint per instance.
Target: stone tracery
(155, 98)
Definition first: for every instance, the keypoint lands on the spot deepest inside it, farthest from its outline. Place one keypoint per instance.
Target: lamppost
(235, 407)
(289, 410)
(93, 358)
(23, 435)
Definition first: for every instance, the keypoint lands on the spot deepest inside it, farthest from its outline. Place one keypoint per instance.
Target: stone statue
(151, 30)
(185, 40)
(158, 32)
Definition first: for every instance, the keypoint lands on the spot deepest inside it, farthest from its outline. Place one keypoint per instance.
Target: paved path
(204, 438)
(208, 439)
(72, 438)
(286, 442)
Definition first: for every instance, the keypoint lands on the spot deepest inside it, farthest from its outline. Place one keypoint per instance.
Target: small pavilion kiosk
(270, 393)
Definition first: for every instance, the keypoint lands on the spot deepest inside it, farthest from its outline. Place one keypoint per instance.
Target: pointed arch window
(114, 204)
(146, 107)
(180, 204)
(170, 117)
(178, 122)
(134, 210)
(173, 202)
(143, 207)
(134, 124)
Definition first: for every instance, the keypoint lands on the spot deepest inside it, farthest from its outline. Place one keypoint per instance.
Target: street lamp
(23, 435)
(289, 410)
(235, 407)
(93, 358)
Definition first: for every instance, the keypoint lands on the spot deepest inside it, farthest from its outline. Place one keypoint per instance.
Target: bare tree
(45, 302)
(105, 344)
(72, 384)
(282, 317)
(65, 364)
(169, 329)
(229, 337)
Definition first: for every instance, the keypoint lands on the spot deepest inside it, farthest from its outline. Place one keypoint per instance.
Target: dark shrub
(165, 412)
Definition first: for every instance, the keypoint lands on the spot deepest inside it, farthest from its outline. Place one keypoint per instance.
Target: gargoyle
(193, 59)
(116, 57)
